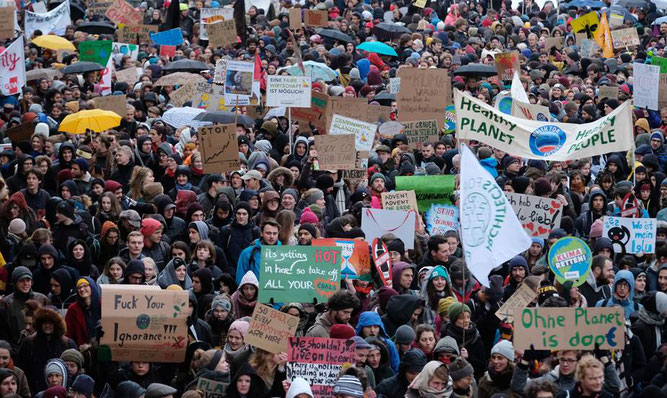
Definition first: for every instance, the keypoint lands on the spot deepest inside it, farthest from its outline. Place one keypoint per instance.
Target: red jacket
(76, 324)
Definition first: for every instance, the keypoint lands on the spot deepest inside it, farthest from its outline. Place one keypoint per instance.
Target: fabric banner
(12, 68)
(429, 190)
(531, 139)
(490, 231)
(54, 21)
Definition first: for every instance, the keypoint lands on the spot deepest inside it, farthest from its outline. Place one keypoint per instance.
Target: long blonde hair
(262, 361)
(137, 181)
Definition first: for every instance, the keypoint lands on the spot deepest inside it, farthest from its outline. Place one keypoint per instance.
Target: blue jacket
(372, 318)
(628, 304)
(490, 165)
(250, 260)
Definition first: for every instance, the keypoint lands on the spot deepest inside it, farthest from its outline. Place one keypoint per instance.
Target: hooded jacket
(288, 179)
(81, 321)
(586, 219)
(257, 386)
(67, 294)
(592, 292)
(372, 318)
(168, 277)
(240, 305)
(628, 304)
(397, 386)
(198, 329)
(399, 312)
(234, 238)
(250, 260)
(420, 385)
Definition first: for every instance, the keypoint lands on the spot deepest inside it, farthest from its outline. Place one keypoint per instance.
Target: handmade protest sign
(292, 91)
(530, 111)
(97, 51)
(131, 50)
(364, 132)
(98, 7)
(209, 96)
(661, 62)
(185, 93)
(450, 119)
(662, 91)
(625, 38)
(238, 81)
(7, 28)
(420, 131)
(171, 37)
(122, 12)
(271, 329)
(475, 120)
(210, 16)
(336, 152)
(436, 189)
(645, 79)
(424, 94)
(523, 296)
(394, 85)
(295, 18)
(219, 148)
(355, 257)
(630, 235)
(537, 215)
(442, 218)
(569, 328)
(558, 42)
(399, 200)
(377, 222)
(608, 92)
(143, 323)
(298, 273)
(590, 48)
(167, 51)
(587, 24)
(212, 388)
(135, 33)
(54, 21)
(319, 361)
(316, 113)
(570, 260)
(222, 34)
(317, 18)
(22, 132)
(114, 103)
(389, 129)
(506, 64)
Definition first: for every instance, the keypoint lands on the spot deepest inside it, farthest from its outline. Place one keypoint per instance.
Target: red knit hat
(341, 331)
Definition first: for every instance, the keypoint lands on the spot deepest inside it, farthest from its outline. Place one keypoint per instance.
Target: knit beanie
(20, 273)
(447, 344)
(292, 192)
(456, 309)
(376, 176)
(341, 331)
(222, 302)
(83, 164)
(314, 196)
(459, 369)
(504, 348)
(518, 261)
(66, 210)
(84, 384)
(56, 366)
(542, 186)
(348, 386)
(405, 335)
(241, 326)
(17, 226)
(55, 392)
(149, 226)
(310, 228)
(73, 355)
(308, 217)
(596, 228)
(444, 304)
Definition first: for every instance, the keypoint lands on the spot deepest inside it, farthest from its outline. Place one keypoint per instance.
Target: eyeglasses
(82, 286)
(568, 360)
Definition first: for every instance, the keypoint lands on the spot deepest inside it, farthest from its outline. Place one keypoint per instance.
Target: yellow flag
(603, 37)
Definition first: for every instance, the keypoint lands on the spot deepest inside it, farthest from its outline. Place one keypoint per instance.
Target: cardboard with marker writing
(219, 148)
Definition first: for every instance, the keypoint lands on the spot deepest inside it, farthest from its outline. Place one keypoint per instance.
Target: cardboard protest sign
(615, 19)
(377, 222)
(623, 38)
(580, 37)
(355, 255)
(424, 94)
(364, 132)
(122, 12)
(537, 215)
(219, 148)
(316, 18)
(420, 131)
(429, 190)
(631, 235)
(209, 16)
(558, 42)
(662, 91)
(209, 96)
(523, 296)
(645, 79)
(98, 7)
(7, 28)
(569, 328)
(172, 37)
(298, 273)
(589, 48)
(295, 18)
(271, 329)
(570, 259)
(587, 23)
(97, 51)
(54, 21)
(316, 113)
(212, 388)
(222, 34)
(394, 85)
(608, 92)
(399, 200)
(531, 139)
(291, 91)
(143, 323)
(354, 108)
(319, 361)
(530, 111)
(22, 132)
(442, 218)
(238, 81)
(506, 64)
(336, 152)
(135, 33)
(185, 93)
(114, 103)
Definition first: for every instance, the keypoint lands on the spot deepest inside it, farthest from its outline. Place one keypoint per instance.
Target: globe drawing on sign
(143, 321)
(547, 140)
(570, 260)
(505, 105)
(475, 219)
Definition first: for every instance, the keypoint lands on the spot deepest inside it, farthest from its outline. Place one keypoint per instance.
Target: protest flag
(603, 37)
(517, 91)
(239, 17)
(173, 19)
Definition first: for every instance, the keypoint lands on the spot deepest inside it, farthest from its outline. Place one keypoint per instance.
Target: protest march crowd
(333, 199)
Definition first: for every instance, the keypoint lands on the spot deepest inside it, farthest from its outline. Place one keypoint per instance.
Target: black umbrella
(473, 70)
(389, 31)
(81, 67)
(75, 10)
(185, 65)
(101, 28)
(222, 117)
(334, 35)
(383, 97)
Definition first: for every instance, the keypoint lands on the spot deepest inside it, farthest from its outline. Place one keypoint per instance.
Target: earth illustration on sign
(476, 213)
(547, 140)
(570, 260)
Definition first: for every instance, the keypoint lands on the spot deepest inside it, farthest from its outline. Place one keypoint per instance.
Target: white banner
(490, 231)
(292, 91)
(12, 68)
(54, 21)
(646, 80)
(532, 139)
(213, 15)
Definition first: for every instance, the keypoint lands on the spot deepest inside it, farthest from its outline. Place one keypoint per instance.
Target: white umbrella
(279, 111)
(179, 117)
(316, 70)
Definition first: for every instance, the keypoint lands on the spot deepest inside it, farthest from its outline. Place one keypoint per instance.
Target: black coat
(35, 352)
(233, 238)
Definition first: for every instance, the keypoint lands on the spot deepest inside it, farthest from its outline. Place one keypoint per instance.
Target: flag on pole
(490, 230)
(12, 68)
(603, 37)
(517, 91)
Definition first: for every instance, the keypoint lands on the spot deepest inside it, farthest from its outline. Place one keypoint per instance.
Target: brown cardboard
(20, 133)
(128, 76)
(7, 26)
(623, 38)
(523, 296)
(316, 114)
(219, 148)
(558, 42)
(270, 329)
(506, 64)
(424, 95)
(185, 93)
(399, 200)
(222, 34)
(122, 12)
(136, 33)
(608, 92)
(295, 18)
(336, 152)
(114, 103)
(316, 18)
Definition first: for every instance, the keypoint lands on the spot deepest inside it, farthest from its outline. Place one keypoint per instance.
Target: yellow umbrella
(95, 120)
(53, 42)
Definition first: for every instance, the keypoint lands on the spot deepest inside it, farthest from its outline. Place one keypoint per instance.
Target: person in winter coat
(244, 298)
(297, 310)
(198, 329)
(239, 234)
(464, 385)
(370, 325)
(590, 377)
(246, 384)
(236, 350)
(250, 257)
(281, 178)
(438, 286)
(176, 226)
(83, 315)
(142, 373)
(498, 376)
(49, 262)
(412, 364)
(596, 287)
(402, 276)
(518, 270)
(7, 364)
(623, 294)
(62, 290)
(473, 350)
(401, 310)
(597, 208)
(299, 388)
(202, 287)
(378, 359)
(175, 273)
(463, 283)
(432, 382)
(220, 318)
(154, 246)
(650, 325)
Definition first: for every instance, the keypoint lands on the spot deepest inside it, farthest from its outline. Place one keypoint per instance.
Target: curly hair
(343, 299)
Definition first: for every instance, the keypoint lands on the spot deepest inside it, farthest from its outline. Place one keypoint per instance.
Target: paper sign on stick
(316, 18)
(506, 64)
(271, 329)
(523, 296)
(122, 12)
(7, 27)
(291, 91)
(295, 18)
(625, 38)
(424, 94)
(222, 34)
(114, 103)
(363, 131)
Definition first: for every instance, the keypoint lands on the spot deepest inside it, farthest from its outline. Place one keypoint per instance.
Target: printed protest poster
(298, 273)
(442, 218)
(394, 85)
(631, 235)
(336, 152)
(316, 18)
(570, 260)
(97, 51)
(171, 37)
(54, 21)
(209, 16)
(143, 323)
(222, 34)
(437, 189)
(131, 50)
(315, 114)
(533, 139)
(537, 215)
(319, 361)
(530, 111)
(135, 33)
(212, 388)
(450, 119)
(238, 81)
(377, 222)
(645, 79)
(623, 38)
(364, 132)
(209, 96)
(219, 148)
(122, 12)
(292, 91)
(114, 103)
(569, 328)
(424, 94)
(271, 329)
(399, 200)
(12, 68)
(587, 24)
(420, 131)
(609, 92)
(523, 296)
(220, 72)
(295, 18)
(506, 64)
(355, 257)
(7, 17)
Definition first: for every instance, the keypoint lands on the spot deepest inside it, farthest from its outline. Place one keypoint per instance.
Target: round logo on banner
(476, 210)
(505, 105)
(570, 260)
(547, 140)
(541, 117)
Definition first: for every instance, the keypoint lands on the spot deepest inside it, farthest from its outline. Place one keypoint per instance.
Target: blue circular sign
(547, 140)
(143, 321)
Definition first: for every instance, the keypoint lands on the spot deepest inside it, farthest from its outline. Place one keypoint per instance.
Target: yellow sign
(586, 24)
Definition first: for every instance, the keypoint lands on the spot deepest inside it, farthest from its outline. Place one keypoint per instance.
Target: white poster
(239, 77)
(54, 21)
(630, 235)
(12, 68)
(105, 84)
(394, 85)
(646, 80)
(212, 15)
(401, 223)
(490, 231)
(364, 132)
(292, 91)
(517, 91)
(131, 50)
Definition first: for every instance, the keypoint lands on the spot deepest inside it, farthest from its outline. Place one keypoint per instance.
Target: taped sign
(336, 152)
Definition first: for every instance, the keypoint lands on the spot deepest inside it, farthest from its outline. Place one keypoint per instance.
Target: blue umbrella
(660, 20)
(584, 3)
(377, 47)
(316, 70)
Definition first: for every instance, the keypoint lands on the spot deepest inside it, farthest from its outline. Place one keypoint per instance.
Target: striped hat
(349, 386)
